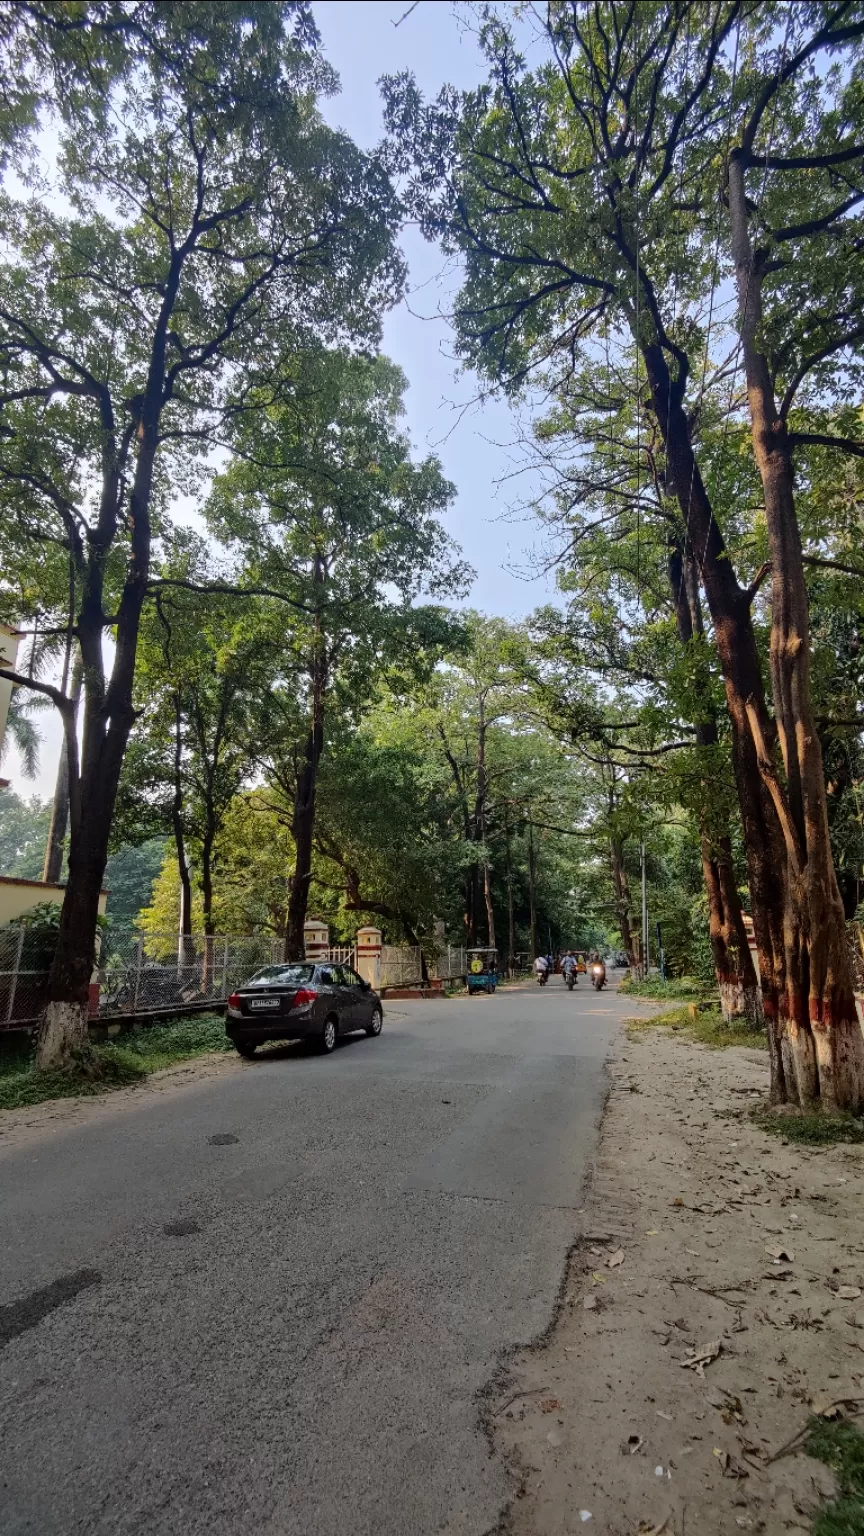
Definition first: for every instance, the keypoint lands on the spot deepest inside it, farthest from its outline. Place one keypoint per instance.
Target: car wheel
(328, 1036)
(246, 1048)
(375, 1027)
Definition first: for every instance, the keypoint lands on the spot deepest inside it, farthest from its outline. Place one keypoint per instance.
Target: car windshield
(281, 975)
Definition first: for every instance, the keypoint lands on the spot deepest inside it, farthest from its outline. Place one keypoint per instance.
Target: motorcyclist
(568, 966)
(597, 964)
(541, 966)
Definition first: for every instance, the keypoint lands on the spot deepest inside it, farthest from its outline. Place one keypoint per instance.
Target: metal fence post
(14, 984)
(138, 958)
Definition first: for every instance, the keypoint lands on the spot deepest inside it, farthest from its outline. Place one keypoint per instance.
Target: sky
(474, 442)
(502, 543)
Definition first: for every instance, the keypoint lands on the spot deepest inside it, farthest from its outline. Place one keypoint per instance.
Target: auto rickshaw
(482, 970)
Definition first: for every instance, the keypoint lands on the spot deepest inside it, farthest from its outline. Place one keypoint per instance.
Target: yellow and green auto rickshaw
(482, 970)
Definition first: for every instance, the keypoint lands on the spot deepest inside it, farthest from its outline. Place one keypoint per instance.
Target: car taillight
(234, 1000)
(305, 995)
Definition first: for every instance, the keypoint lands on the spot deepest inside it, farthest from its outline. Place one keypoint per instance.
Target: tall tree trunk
(532, 889)
(825, 1043)
(737, 982)
(108, 719)
(729, 606)
(480, 817)
(622, 899)
(303, 822)
(185, 916)
(53, 865)
(511, 922)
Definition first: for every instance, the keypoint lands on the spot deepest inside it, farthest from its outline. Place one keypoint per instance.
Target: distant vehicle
(482, 970)
(302, 1002)
(598, 974)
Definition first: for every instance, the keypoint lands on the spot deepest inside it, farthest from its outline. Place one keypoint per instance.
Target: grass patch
(811, 1128)
(842, 1517)
(708, 1027)
(680, 988)
(841, 1446)
(115, 1065)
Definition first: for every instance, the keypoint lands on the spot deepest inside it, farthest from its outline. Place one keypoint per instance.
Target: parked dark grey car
(298, 1001)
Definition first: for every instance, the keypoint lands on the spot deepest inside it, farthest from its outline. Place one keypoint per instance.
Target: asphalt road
(270, 1302)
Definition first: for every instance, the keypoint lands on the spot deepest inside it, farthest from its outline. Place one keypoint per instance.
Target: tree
(585, 196)
(208, 211)
(807, 135)
(324, 502)
(23, 830)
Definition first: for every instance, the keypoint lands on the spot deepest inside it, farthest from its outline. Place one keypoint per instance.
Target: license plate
(264, 1002)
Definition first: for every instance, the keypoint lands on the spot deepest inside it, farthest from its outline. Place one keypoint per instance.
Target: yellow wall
(20, 896)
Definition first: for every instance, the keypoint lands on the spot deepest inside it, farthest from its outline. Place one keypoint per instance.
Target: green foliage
(810, 1128)
(688, 987)
(707, 1028)
(130, 875)
(842, 1517)
(108, 1071)
(119, 1065)
(23, 835)
(841, 1445)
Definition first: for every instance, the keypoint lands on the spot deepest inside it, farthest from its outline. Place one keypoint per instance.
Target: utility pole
(532, 877)
(644, 919)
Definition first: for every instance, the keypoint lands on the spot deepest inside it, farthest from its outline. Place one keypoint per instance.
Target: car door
(362, 995)
(330, 992)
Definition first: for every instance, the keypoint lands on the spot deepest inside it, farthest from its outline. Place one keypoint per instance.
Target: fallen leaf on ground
(699, 1358)
(549, 1405)
(778, 1252)
(589, 1303)
(616, 1259)
(598, 1279)
(849, 1292)
(716, 1397)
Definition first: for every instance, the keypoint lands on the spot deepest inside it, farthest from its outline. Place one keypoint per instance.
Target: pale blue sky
(362, 43)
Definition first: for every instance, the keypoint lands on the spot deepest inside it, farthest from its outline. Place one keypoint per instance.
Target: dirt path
(19, 1125)
(705, 1237)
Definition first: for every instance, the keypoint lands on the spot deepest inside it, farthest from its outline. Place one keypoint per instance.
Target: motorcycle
(598, 975)
(541, 977)
(570, 978)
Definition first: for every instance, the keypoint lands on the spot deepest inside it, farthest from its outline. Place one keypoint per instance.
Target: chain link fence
(449, 964)
(25, 960)
(401, 966)
(152, 973)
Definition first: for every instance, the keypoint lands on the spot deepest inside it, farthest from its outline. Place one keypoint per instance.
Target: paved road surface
(265, 1305)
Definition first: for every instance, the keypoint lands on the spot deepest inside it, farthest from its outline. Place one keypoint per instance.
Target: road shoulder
(704, 1237)
(17, 1126)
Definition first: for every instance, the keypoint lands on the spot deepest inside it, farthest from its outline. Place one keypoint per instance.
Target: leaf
(849, 1292)
(616, 1259)
(699, 1358)
(549, 1405)
(778, 1252)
